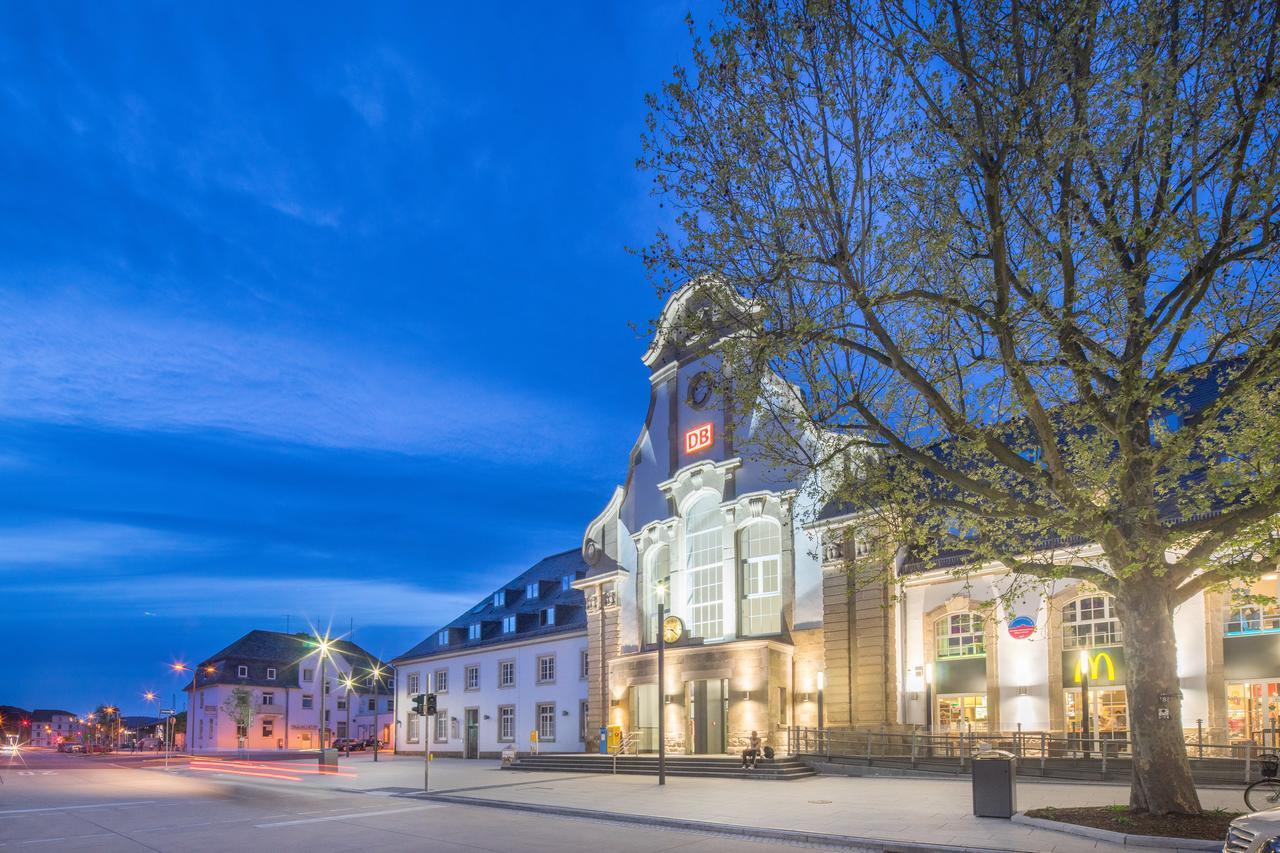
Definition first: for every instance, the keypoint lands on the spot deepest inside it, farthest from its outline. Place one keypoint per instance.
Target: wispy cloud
(71, 359)
(70, 544)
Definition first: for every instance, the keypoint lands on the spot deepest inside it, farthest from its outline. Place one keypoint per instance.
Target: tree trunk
(1162, 781)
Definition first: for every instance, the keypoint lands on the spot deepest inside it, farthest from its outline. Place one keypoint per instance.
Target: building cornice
(495, 647)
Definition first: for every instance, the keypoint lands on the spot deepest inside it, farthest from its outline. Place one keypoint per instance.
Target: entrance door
(1108, 712)
(708, 712)
(1253, 712)
(472, 749)
(644, 716)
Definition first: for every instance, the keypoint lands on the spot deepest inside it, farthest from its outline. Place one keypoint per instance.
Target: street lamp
(324, 647)
(375, 681)
(349, 684)
(661, 590)
(1082, 666)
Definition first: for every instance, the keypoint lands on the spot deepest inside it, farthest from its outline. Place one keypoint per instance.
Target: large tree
(1020, 256)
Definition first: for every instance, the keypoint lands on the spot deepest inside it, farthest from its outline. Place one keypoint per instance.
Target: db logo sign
(698, 438)
(1021, 627)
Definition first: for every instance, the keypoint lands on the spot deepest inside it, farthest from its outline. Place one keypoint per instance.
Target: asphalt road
(51, 802)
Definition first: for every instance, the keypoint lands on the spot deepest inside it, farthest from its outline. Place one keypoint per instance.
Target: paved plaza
(130, 803)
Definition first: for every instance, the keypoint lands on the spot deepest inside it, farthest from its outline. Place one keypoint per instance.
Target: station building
(754, 564)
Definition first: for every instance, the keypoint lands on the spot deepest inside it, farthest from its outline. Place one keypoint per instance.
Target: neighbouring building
(50, 727)
(720, 534)
(282, 672)
(515, 663)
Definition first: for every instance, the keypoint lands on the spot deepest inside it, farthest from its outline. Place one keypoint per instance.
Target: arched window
(959, 635)
(760, 556)
(704, 562)
(1090, 621)
(657, 573)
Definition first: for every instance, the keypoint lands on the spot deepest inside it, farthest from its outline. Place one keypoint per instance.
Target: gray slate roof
(548, 573)
(285, 653)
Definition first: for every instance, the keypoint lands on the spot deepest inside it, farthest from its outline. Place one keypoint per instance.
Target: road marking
(344, 817)
(69, 808)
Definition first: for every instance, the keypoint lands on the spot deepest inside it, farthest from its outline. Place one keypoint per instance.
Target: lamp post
(183, 669)
(662, 686)
(928, 698)
(347, 683)
(375, 681)
(1082, 665)
(323, 646)
(151, 697)
(822, 683)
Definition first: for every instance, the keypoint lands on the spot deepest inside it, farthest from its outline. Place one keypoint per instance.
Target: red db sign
(698, 438)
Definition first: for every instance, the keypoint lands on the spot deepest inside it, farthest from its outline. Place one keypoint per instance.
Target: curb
(1156, 841)
(759, 833)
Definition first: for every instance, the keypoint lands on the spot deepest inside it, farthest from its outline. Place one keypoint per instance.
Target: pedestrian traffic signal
(431, 705)
(418, 703)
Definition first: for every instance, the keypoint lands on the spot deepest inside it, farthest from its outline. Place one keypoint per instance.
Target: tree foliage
(1016, 263)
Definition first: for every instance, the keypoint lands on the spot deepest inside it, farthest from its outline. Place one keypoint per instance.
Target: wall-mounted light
(914, 697)
(615, 703)
(486, 716)
(562, 713)
(1024, 690)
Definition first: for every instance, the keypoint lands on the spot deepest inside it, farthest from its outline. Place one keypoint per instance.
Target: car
(1254, 833)
(348, 743)
(70, 747)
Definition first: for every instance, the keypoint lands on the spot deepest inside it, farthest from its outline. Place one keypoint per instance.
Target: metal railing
(626, 746)
(1047, 751)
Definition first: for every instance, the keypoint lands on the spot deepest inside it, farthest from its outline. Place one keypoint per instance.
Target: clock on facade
(700, 389)
(672, 629)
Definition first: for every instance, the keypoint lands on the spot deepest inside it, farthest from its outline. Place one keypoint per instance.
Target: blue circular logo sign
(1021, 627)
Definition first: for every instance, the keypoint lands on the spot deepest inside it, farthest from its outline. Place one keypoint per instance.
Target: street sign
(167, 711)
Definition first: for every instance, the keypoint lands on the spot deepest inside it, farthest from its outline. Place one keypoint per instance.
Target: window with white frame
(760, 549)
(308, 675)
(531, 590)
(546, 616)
(1090, 621)
(506, 722)
(444, 637)
(704, 560)
(442, 725)
(473, 631)
(959, 635)
(657, 581)
(242, 671)
(509, 624)
(500, 598)
(471, 677)
(546, 721)
(546, 668)
(271, 673)
(308, 701)
(507, 673)
(411, 728)
(268, 698)
(414, 684)
(442, 681)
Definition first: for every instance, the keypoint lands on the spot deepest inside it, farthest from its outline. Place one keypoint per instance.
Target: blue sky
(311, 311)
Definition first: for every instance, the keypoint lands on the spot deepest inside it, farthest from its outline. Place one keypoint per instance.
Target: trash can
(995, 783)
(329, 760)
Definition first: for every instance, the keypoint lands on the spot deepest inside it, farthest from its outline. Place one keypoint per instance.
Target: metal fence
(1048, 752)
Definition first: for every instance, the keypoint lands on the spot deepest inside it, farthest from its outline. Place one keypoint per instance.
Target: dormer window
(443, 637)
(500, 598)
(531, 591)
(565, 582)
(473, 631)
(547, 616)
(242, 671)
(271, 673)
(509, 624)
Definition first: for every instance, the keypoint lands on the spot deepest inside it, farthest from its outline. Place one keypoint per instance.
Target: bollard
(1200, 737)
(1042, 750)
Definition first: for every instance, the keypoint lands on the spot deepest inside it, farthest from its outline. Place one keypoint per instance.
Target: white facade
(500, 692)
(287, 714)
(51, 728)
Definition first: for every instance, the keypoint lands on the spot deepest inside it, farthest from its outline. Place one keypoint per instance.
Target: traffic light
(431, 705)
(418, 702)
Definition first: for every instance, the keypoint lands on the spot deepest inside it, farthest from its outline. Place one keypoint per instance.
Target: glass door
(708, 703)
(1108, 713)
(962, 713)
(644, 716)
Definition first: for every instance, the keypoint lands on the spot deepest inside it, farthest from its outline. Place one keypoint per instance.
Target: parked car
(348, 744)
(67, 746)
(1254, 833)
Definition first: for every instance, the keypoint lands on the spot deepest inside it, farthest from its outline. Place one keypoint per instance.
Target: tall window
(959, 635)
(508, 624)
(500, 598)
(531, 590)
(507, 673)
(473, 631)
(546, 668)
(760, 549)
(657, 576)
(413, 684)
(471, 675)
(442, 681)
(507, 722)
(1090, 621)
(442, 725)
(546, 721)
(444, 637)
(411, 728)
(704, 561)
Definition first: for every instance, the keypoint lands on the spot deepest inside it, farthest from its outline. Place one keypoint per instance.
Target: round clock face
(700, 390)
(672, 629)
